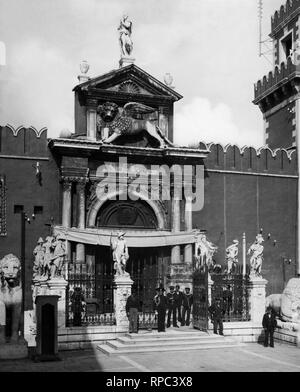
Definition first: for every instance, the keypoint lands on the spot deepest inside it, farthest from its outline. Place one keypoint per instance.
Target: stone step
(166, 343)
(171, 333)
(106, 349)
(177, 339)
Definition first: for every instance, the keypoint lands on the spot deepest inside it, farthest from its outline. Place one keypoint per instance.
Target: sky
(210, 47)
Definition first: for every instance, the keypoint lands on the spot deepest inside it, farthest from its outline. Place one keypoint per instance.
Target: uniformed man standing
(160, 306)
(269, 324)
(132, 309)
(216, 311)
(187, 306)
(179, 299)
(172, 304)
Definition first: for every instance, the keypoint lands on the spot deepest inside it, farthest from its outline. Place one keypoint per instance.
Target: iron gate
(97, 289)
(232, 290)
(200, 298)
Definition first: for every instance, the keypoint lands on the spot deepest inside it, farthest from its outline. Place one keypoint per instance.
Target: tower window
(287, 45)
(18, 209)
(38, 210)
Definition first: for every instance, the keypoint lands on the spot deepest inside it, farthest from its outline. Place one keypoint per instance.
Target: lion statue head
(108, 111)
(10, 269)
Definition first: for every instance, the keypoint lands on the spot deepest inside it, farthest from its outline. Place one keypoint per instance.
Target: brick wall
(248, 190)
(19, 153)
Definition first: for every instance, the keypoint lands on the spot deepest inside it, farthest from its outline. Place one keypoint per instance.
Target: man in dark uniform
(187, 306)
(78, 306)
(269, 323)
(216, 311)
(132, 309)
(227, 298)
(179, 299)
(171, 303)
(160, 306)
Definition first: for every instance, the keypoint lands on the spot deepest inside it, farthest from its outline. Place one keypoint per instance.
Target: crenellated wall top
(287, 12)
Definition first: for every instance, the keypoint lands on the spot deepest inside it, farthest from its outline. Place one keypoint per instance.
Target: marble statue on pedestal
(48, 248)
(58, 258)
(231, 256)
(125, 30)
(10, 296)
(120, 254)
(38, 264)
(256, 250)
(204, 251)
(49, 257)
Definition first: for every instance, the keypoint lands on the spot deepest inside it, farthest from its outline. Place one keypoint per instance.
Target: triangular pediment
(130, 80)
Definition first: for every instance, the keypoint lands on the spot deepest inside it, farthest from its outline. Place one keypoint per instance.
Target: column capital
(81, 184)
(67, 183)
(92, 103)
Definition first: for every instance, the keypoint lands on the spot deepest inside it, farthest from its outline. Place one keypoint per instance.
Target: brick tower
(278, 93)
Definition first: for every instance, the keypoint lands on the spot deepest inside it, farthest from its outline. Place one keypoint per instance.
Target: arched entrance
(146, 266)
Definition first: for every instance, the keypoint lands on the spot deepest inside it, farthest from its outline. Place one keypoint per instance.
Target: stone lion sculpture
(10, 295)
(286, 304)
(127, 121)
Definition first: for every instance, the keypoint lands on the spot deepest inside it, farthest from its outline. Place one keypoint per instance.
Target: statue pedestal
(14, 350)
(54, 286)
(122, 290)
(124, 61)
(257, 298)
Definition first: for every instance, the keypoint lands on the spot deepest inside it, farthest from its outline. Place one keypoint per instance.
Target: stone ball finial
(65, 133)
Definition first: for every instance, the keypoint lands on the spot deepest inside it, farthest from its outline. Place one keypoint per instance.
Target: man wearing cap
(172, 304)
(187, 303)
(269, 324)
(132, 309)
(216, 311)
(160, 306)
(179, 299)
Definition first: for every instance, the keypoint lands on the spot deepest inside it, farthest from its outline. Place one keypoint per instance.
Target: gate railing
(97, 291)
(97, 309)
(233, 291)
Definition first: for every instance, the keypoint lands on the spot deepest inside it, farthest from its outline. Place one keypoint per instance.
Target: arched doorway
(145, 265)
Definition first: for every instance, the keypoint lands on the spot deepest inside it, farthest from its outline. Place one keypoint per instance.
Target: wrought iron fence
(96, 288)
(232, 289)
(97, 291)
(147, 320)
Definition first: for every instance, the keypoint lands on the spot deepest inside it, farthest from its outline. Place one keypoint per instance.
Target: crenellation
(248, 159)
(285, 13)
(23, 141)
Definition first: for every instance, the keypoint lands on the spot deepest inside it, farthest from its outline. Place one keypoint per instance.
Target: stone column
(257, 299)
(91, 117)
(175, 251)
(188, 249)
(66, 204)
(80, 248)
(67, 211)
(122, 290)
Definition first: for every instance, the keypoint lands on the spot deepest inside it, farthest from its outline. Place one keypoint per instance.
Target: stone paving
(250, 358)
